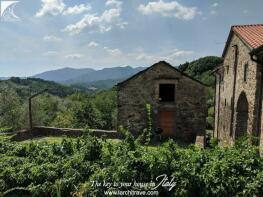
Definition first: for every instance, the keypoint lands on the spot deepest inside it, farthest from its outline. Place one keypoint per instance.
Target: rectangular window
(166, 92)
(227, 69)
(245, 72)
(222, 78)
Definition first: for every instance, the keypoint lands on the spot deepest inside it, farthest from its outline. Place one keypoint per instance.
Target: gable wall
(189, 107)
(250, 88)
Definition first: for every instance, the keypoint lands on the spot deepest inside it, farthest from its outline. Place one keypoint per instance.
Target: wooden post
(30, 114)
(30, 107)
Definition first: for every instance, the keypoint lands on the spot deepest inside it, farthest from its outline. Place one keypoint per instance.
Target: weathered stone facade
(186, 114)
(238, 92)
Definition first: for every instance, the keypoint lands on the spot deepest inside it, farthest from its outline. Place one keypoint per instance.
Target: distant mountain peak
(70, 75)
(63, 74)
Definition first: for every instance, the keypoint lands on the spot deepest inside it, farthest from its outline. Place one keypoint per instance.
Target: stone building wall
(189, 107)
(260, 70)
(217, 111)
(249, 87)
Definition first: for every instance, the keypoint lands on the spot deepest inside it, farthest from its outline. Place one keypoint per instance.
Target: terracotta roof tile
(251, 34)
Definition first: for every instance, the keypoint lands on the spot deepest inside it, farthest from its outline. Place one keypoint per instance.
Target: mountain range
(63, 74)
(89, 76)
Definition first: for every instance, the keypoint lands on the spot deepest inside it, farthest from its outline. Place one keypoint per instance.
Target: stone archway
(241, 116)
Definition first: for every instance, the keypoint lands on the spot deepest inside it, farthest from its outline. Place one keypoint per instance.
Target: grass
(52, 140)
(49, 140)
(5, 137)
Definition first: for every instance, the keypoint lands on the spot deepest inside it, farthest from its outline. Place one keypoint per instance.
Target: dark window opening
(245, 72)
(166, 92)
(222, 78)
(227, 69)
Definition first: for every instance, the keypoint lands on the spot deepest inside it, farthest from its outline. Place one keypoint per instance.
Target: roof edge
(217, 68)
(161, 62)
(257, 50)
(232, 31)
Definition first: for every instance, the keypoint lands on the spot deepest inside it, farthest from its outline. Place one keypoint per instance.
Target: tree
(10, 109)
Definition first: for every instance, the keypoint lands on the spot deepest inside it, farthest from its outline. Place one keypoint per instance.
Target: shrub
(70, 166)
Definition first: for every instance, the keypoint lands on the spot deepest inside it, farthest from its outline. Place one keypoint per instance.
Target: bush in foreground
(73, 165)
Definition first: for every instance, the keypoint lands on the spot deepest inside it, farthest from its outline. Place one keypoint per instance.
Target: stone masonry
(186, 114)
(238, 91)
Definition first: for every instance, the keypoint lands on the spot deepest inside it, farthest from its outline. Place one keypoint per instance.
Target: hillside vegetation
(202, 68)
(61, 106)
(26, 87)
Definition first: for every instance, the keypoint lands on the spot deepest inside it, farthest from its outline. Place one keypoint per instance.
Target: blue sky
(54, 34)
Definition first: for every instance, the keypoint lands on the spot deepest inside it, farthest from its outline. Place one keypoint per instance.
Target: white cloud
(169, 9)
(93, 44)
(77, 9)
(179, 53)
(113, 3)
(52, 7)
(110, 15)
(103, 23)
(74, 56)
(144, 56)
(88, 20)
(170, 56)
(51, 38)
(215, 4)
(114, 52)
(214, 8)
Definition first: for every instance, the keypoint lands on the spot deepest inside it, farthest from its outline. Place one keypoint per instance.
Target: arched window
(241, 116)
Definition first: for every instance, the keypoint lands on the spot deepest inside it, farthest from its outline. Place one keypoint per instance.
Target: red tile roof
(251, 34)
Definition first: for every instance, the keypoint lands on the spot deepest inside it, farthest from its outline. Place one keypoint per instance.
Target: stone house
(238, 105)
(178, 103)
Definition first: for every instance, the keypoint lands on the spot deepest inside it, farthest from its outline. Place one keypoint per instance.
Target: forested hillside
(61, 106)
(201, 69)
(26, 87)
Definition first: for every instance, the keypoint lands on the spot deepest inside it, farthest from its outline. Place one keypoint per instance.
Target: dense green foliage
(78, 110)
(62, 169)
(29, 86)
(202, 68)
(95, 111)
